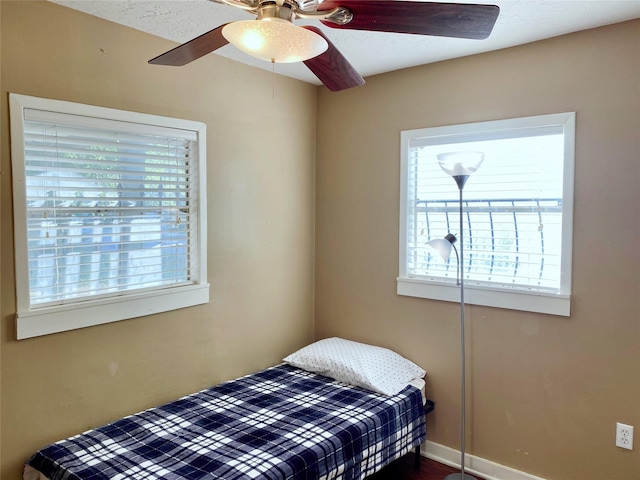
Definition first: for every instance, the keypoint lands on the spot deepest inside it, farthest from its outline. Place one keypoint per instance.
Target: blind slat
(97, 124)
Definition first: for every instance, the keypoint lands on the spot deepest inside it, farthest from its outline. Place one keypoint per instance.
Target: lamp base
(458, 476)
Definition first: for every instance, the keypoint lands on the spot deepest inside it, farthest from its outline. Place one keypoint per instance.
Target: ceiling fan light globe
(274, 40)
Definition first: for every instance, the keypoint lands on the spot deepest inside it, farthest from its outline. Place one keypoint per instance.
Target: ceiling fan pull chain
(273, 74)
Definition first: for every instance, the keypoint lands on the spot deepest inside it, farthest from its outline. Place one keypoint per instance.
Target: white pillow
(373, 368)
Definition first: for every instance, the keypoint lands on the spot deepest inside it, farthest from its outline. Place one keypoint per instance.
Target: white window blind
(517, 208)
(111, 208)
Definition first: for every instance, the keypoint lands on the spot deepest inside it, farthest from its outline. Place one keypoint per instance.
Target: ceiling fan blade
(193, 49)
(459, 20)
(332, 68)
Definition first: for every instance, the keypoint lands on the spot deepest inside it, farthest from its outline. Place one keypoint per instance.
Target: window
(517, 213)
(109, 212)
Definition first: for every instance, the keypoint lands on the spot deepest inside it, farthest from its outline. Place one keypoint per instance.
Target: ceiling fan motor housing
(290, 9)
(269, 9)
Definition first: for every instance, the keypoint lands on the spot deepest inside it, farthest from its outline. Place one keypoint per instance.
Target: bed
(282, 423)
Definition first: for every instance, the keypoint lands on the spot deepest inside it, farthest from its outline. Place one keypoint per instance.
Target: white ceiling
(371, 53)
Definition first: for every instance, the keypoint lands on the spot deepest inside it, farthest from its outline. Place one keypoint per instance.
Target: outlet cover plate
(624, 436)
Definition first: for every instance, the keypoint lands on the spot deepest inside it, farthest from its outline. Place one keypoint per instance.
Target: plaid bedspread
(280, 423)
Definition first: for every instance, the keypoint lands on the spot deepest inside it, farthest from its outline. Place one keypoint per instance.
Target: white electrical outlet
(624, 436)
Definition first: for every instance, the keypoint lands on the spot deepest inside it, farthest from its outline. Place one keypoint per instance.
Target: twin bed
(335, 409)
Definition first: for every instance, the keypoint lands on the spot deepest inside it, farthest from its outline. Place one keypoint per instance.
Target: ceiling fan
(272, 36)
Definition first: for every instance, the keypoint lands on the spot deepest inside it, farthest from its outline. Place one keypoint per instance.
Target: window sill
(552, 304)
(61, 318)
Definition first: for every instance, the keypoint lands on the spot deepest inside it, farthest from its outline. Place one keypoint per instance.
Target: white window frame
(556, 303)
(33, 320)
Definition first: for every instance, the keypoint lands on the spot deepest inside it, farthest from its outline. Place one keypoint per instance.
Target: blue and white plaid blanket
(280, 423)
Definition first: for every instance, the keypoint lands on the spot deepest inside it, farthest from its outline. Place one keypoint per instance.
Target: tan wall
(260, 225)
(545, 391)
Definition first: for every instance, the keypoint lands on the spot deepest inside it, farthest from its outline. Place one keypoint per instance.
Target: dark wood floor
(404, 469)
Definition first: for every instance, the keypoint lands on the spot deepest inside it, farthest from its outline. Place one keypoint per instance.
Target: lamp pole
(460, 165)
(460, 181)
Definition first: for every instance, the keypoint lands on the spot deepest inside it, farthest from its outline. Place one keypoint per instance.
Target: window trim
(514, 298)
(32, 322)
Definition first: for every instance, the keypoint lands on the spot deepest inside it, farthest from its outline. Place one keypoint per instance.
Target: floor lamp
(460, 165)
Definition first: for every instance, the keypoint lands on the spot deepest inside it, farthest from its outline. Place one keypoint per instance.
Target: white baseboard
(472, 464)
